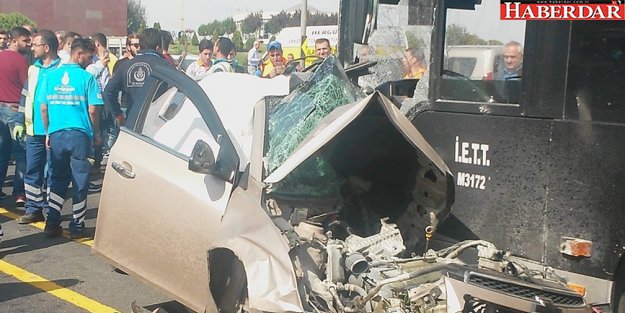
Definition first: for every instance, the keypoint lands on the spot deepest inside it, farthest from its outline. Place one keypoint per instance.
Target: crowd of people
(61, 105)
(63, 98)
(219, 57)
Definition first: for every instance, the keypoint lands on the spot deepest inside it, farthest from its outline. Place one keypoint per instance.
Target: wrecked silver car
(238, 194)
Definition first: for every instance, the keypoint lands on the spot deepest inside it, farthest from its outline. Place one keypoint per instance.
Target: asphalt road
(41, 274)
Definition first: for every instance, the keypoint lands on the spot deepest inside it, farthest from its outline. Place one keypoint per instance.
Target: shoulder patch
(137, 73)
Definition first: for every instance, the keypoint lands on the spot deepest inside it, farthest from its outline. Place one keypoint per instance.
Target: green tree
(182, 38)
(214, 37)
(237, 40)
(136, 16)
(194, 40)
(252, 23)
(202, 30)
(210, 28)
(229, 26)
(249, 43)
(10, 20)
(278, 22)
(157, 25)
(459, 35)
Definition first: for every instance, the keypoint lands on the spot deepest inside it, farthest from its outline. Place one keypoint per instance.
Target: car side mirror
(202, 159)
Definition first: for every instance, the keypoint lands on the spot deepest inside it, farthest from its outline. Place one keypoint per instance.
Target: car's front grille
(525, 291)
(475, 305)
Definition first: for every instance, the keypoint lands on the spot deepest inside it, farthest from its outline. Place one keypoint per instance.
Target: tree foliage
(459, 35)
(157, 25)
(210, 28)
(182, 38)
(252, 23)
(237, 40)
(10, 20)
(229, 26)
(195, 41)
(136, 16)
(284, 19)
(249, 43)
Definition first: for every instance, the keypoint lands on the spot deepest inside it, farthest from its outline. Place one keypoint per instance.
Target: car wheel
(228, 281)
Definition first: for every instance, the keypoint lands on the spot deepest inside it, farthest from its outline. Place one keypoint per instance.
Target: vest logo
(563, 10)
(64, 88)
(137, 73)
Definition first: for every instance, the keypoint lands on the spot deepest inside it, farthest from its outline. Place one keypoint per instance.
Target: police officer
(130, 76)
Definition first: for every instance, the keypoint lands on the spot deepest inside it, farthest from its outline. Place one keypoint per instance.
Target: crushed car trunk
(360, 162)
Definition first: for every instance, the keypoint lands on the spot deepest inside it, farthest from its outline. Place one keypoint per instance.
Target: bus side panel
(501, 169)
(587, 195)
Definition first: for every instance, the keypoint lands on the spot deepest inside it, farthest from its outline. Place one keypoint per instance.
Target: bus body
(539, 159)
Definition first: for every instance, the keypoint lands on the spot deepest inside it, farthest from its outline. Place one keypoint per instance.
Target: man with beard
(13, 74)
(4, 40)
(130, 76)
(45, 45)
(70, 111)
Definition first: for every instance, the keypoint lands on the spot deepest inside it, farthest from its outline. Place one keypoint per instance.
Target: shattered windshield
(295, 116)
(401, 37)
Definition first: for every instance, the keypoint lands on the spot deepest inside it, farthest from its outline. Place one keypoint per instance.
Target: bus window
(594, 89)
(483, 56)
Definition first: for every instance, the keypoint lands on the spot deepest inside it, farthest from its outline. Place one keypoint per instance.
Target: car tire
(228, 281)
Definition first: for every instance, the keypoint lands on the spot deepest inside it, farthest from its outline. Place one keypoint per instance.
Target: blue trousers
(70, 151)
(37, 159)
(8, 118)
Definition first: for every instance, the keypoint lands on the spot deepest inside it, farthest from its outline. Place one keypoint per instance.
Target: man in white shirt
(253, 58)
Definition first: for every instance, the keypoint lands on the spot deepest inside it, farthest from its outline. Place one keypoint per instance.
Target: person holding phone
(275, 64)
(99, 68)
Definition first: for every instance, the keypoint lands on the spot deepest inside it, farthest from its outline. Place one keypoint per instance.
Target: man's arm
(94, 101)
(94, 117)
(22, 108)
(46, 122)
(111, 91)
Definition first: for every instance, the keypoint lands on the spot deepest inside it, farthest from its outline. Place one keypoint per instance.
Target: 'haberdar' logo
(563, 10)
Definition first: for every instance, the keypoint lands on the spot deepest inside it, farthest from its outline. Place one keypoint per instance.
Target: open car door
(168, 180)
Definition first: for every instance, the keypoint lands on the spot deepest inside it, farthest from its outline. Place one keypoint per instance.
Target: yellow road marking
(54, 289)
(42, 225)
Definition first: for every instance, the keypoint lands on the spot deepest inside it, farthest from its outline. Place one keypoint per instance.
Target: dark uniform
(129, 77)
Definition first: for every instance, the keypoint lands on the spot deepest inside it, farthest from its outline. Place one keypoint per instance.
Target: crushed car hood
(340, 118)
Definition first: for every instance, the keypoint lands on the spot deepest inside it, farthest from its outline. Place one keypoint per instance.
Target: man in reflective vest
(275, 63)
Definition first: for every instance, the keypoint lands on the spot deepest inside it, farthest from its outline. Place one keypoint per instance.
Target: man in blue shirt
(45, 45)
(70, 105)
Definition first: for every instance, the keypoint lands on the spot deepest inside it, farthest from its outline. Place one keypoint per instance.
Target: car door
(156, 217)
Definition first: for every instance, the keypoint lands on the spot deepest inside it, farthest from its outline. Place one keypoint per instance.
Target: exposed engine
(356, 274)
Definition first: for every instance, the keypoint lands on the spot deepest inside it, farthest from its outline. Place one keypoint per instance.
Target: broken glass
(296, 115)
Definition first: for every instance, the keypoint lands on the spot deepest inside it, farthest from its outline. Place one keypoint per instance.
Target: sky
(198, 12)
